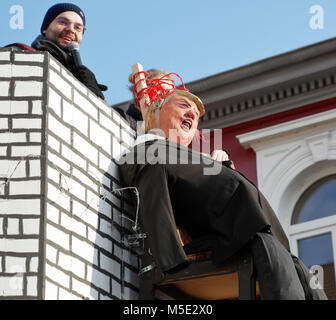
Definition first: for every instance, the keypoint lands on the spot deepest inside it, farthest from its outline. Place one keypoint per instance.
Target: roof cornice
(269, 86)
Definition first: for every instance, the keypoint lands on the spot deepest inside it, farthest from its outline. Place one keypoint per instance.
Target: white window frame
(313, 228)
(291, 156)
(310, 229)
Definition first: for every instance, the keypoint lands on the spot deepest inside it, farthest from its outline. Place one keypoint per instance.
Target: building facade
(277, 118)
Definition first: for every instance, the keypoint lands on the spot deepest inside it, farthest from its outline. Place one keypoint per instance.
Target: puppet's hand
(220, 155)
(224, 157)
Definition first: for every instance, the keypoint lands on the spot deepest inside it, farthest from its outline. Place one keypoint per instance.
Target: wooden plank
(144, 102)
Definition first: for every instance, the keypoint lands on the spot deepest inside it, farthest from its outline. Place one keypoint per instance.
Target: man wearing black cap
(63, 24)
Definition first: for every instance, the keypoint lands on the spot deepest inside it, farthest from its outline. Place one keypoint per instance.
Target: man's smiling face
(179, 118)
(65, 28)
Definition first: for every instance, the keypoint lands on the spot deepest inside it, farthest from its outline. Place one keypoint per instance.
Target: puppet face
(65, 28)
(179, 118)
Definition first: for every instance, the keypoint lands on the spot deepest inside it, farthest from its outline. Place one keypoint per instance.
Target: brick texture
(59, 222)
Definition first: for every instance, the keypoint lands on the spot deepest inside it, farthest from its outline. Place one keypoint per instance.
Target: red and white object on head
(140, 85)
(150, 93)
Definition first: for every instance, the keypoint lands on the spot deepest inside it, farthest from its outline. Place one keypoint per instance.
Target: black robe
(221, 212)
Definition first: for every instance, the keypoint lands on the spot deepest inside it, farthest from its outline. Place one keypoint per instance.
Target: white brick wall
(20, 207)
(26, 123)
(28, 89)
(28, 57)
(26, 71)
(85, 105)
(20, 172)
(5, 56)
(33, 266)
(19, 245)
(57, 140)
(4, 88)
(31, 226)
(14, 107)
(60, 84)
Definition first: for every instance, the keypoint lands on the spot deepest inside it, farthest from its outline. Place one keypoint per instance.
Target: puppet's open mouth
(186, 124)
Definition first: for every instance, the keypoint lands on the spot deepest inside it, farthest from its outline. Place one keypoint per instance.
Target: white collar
(147, 137)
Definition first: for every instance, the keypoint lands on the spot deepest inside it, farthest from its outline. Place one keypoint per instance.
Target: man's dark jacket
(222, 212)
(82, 73)
(132, 115)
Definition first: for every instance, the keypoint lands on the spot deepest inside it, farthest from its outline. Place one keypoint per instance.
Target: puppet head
(153, 93)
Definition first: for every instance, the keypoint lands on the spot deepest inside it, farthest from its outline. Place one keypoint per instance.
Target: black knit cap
(57, 9)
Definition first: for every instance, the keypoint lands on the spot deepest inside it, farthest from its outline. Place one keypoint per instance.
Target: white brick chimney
(59, 222)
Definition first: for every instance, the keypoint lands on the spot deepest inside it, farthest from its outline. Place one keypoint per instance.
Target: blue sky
(194, 38)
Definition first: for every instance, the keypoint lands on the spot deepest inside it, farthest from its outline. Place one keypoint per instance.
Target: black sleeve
(86, 76)
(227, 163)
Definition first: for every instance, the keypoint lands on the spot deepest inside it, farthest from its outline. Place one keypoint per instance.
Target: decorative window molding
(291, 156)
(312, 234)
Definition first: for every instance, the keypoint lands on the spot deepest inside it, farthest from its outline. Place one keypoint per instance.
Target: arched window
(317, 202)
(313, 228)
